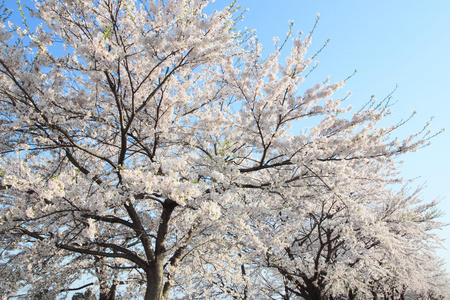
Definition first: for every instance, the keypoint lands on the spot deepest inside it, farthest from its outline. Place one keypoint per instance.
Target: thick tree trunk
(314, 293)
(155, 273)
(314, 290)
(375, 295)
(351, 295)
(107, 293)
(155, 281)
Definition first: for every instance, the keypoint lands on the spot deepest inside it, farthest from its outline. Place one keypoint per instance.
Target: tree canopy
(150, 148)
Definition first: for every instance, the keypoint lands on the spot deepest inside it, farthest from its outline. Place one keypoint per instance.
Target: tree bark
(155, 272)
(108, 293)
(155, 281)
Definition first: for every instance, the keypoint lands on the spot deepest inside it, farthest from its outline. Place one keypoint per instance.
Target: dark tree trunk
(314, 293)
(107, 293)
(155, 282)
(375, 295)
(155, 272)
(351, 295)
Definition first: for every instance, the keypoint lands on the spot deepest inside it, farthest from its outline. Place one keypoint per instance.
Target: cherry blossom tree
(150, 146)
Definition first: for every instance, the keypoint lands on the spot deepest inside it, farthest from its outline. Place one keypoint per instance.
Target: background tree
(150, 144)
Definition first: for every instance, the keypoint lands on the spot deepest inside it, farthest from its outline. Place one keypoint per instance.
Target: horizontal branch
(76, 289)
(262, 167)
(110, 219)
(134, 258)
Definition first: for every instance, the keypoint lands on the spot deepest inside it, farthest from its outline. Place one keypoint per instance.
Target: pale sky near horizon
(390, 43)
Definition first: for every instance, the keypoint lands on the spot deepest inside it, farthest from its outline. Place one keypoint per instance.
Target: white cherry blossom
(152, 149)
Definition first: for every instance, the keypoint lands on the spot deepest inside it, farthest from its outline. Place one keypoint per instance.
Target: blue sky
(390, 43)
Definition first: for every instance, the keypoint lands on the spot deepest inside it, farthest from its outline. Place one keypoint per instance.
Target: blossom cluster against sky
(390, 43)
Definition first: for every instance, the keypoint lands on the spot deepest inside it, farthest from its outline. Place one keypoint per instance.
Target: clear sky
(404, 43)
